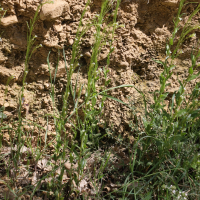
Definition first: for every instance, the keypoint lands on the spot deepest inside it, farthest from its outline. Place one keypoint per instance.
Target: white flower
(193, 35)
(181, 51)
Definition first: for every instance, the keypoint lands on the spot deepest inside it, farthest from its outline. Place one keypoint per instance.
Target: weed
(168, 143)
(85, 127)
(2, 13)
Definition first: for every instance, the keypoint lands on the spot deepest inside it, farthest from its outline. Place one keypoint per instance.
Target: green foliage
(2, 12)
(2, 115)
(30, 49)
(85, 129)
(169, 141)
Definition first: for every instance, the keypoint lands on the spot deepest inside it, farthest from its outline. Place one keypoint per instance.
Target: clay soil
(147, 28)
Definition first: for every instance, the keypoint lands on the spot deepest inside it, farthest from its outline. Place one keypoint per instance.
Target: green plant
(85, 128)
(18, 137)
(2, 13)
(78, 151)
(2, 115)
(168, 141)
(29, 50)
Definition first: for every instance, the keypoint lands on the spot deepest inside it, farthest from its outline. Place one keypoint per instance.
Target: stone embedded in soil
(170, 2)
(71, 41)
(123, 64)
(52, 11)
(58, 27)
(6, 21)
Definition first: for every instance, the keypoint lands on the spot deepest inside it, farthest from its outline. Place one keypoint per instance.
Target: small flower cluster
(179, 195)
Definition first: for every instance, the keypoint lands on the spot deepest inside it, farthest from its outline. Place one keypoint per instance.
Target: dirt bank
(147, 25)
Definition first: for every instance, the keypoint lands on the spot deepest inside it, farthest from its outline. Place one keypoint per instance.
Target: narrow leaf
(192, 77)
(118, 100)
(2, 115)
(181, 113)
(171, 41)
(191, 70)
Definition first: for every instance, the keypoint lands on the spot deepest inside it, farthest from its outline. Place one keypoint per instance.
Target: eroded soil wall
(147, 26)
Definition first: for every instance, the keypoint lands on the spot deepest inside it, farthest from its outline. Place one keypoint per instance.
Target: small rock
(58, 28)
(6, 105)
(52, 11)
(67, 165)
(71, 41)
(68, 28)
(87, 54)
(6, 21)
(46, 86)
(123, 64)
(170, 2)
